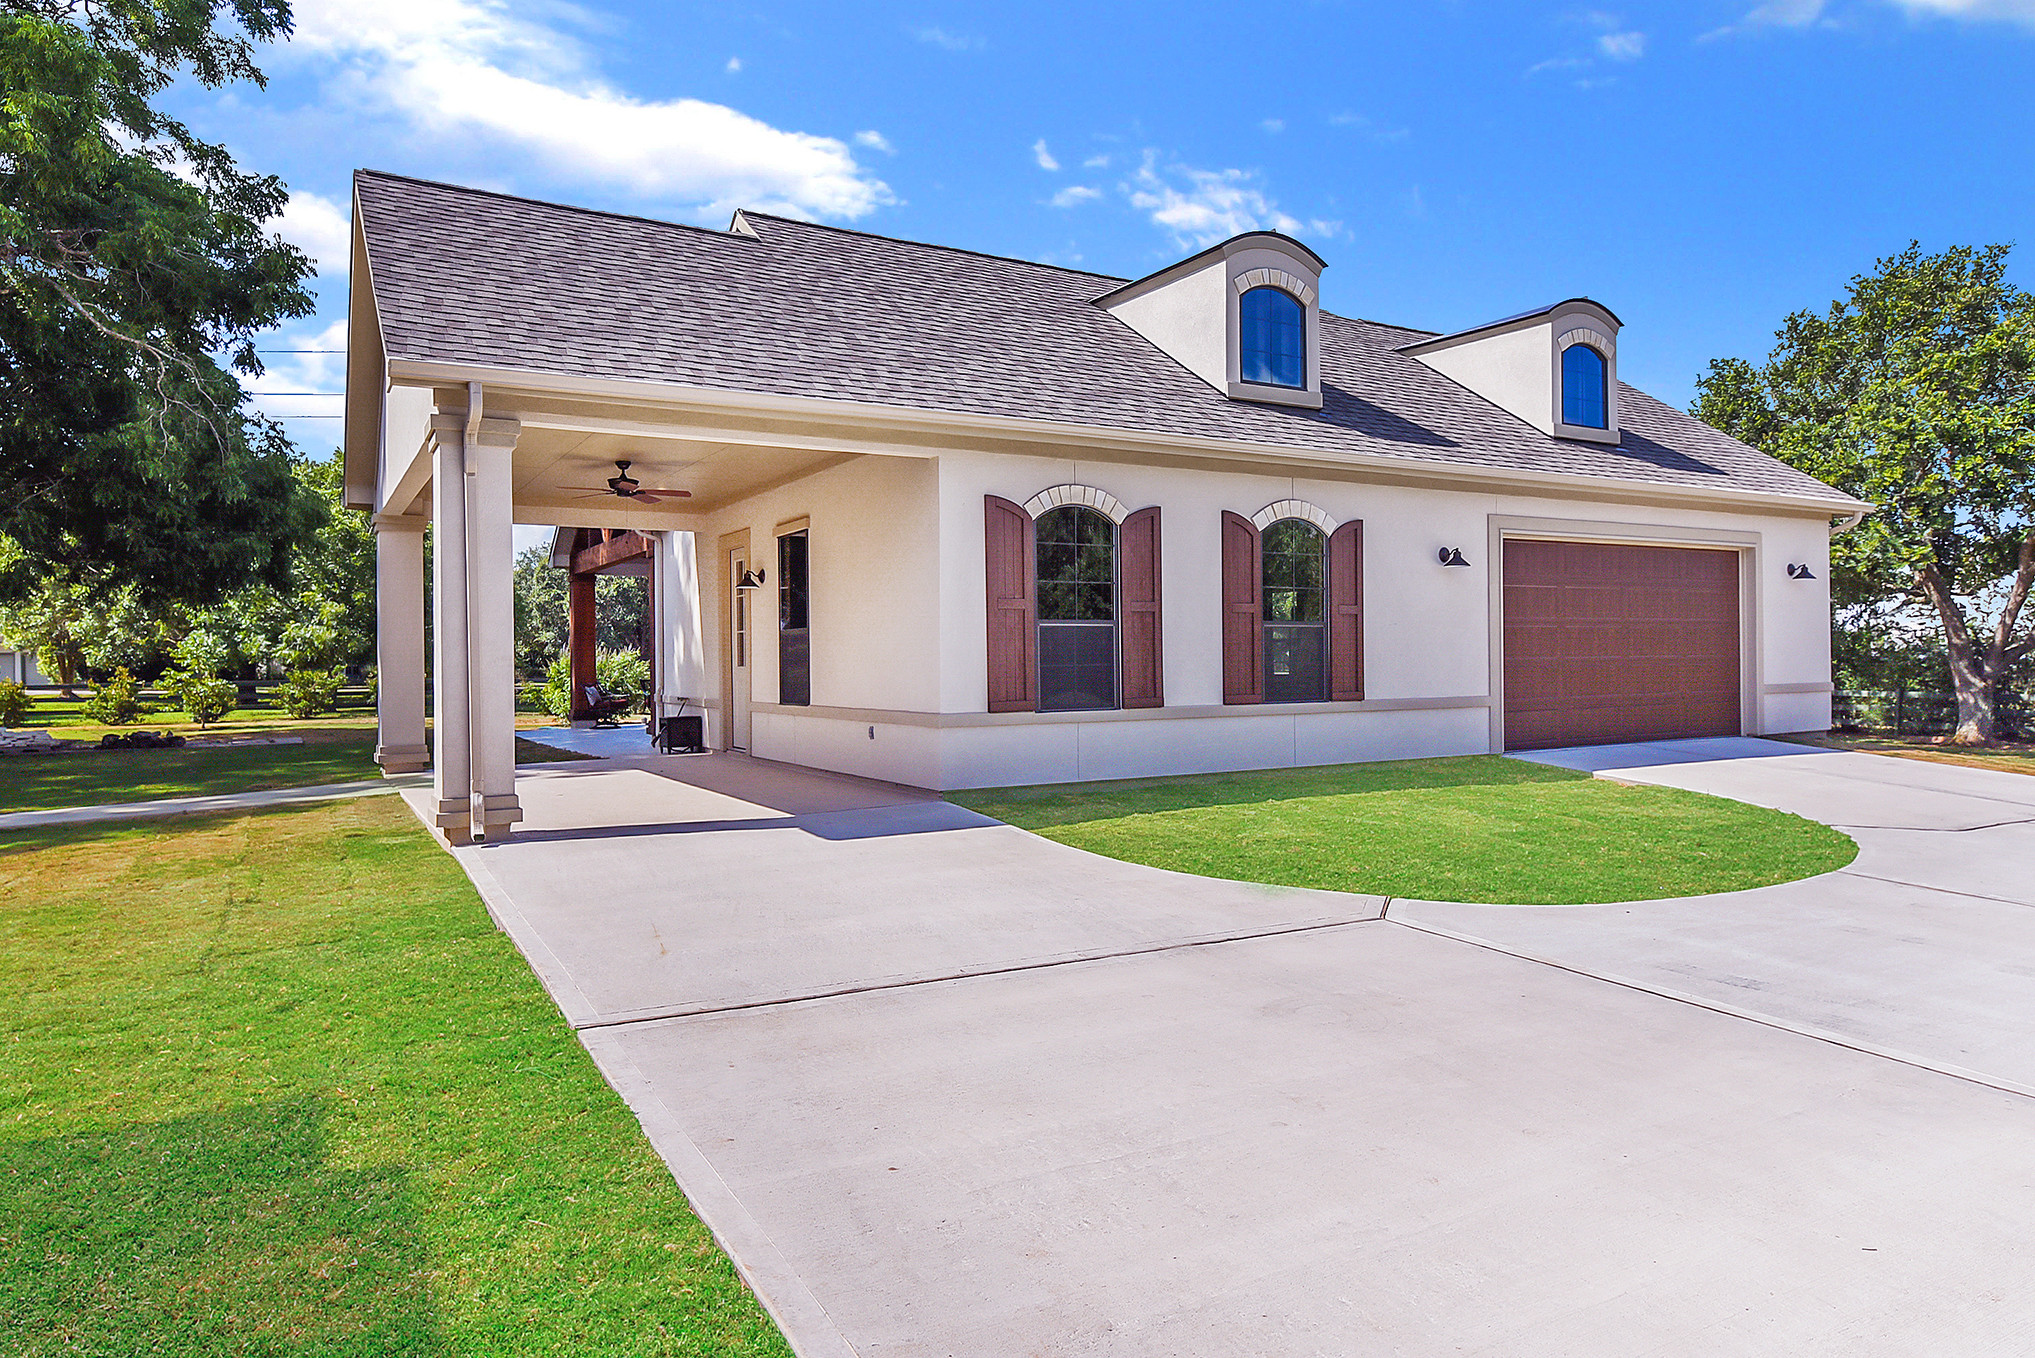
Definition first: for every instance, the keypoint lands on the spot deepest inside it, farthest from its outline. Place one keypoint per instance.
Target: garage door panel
(1610, 642)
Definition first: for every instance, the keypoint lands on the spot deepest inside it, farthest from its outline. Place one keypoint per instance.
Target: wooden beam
(625, 544)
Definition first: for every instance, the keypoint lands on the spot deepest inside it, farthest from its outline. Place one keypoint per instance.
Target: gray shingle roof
(465, 276)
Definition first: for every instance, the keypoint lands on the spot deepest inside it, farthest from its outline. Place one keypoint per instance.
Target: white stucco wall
(1508, 369)
(1187, 319)
(899, 664)
(875, 591)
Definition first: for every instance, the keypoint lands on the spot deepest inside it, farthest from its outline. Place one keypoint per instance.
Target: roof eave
(923, 422)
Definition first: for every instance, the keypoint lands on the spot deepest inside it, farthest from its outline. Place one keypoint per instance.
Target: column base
(403, 758)
(454, 819)
(496, 814)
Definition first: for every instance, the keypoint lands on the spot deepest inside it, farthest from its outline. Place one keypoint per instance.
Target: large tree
(1915, 391)
(133, 257)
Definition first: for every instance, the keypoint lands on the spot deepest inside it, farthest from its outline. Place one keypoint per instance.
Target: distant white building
(18, 665)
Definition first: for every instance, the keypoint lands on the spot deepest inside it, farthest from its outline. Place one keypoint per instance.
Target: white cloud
(734, 66)
(2018, 11)
(1273, 124)
(1043, 156)
(1096, 163)
(953, 42)
(1201, 207)
(300, 359)
(1375, 131)
(875, 141)
(320, 228)
(472, 68)
(1622, 46)
(1557, 64)
(1074, 195)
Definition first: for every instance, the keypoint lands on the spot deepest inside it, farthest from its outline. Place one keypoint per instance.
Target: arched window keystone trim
(1101, 501)
(1293, 509)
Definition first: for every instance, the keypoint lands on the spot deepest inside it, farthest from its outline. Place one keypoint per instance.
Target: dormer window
(1555, 367)
(1272, 338)
(1243, 316)
(1583, 387)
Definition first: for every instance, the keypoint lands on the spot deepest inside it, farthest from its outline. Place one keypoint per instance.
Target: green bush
(15, 701)
(306, 693)
(203, 698)
(619, 672)
(117, 701)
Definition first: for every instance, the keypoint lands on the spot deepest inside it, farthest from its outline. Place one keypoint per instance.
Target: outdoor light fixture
(1451, 556)
(1801, 572)
(750, 580)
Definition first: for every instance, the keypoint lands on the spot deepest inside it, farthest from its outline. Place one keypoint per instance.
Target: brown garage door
(1606, 643)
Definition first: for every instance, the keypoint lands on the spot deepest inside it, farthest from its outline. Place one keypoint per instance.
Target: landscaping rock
(26, 742)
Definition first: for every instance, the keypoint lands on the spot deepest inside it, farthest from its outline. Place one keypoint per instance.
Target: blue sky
(1700, 167)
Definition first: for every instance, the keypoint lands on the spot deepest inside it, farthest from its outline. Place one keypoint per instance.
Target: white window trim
(1293, 509)
(1053, 497)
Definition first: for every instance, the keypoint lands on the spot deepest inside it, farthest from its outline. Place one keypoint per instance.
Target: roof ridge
(929, 245)
(715, 232)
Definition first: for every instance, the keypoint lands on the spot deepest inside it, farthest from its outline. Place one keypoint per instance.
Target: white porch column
(452, 767)
(491, 625)
(399, 644)
(681, 661)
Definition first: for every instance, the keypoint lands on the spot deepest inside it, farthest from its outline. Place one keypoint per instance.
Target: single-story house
(956, 520)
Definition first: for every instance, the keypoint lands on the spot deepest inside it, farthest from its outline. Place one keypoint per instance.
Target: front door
(738, 652)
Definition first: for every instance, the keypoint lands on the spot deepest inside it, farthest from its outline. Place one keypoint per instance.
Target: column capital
(400, 523)
(494, 431)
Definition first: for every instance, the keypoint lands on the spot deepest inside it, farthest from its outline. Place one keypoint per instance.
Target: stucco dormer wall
(1191, 311)
(1516, 364)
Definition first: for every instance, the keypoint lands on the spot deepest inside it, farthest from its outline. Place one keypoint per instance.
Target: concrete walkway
(942, 1087)
(220, 801)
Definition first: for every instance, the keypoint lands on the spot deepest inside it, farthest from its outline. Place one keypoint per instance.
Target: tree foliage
(621, 612)
(131, 253)
(1916, 391)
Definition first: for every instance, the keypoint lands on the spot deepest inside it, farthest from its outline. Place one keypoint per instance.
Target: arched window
(1272, 338)
(1584, 397)
(1295, 612)
(1077, 610)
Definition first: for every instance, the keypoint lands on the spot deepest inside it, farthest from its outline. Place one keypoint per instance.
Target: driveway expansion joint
(907, 983)
(1733, 1011)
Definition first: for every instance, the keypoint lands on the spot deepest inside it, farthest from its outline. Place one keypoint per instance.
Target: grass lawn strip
(274, 1083)
(1479, 828)
(39, 781)
(2005, 757)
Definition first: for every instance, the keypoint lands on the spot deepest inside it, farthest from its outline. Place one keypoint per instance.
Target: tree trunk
(1977, 707)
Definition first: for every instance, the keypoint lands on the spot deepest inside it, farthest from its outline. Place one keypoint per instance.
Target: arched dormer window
(1585, 400)
(1272, 338)
(1076, 609)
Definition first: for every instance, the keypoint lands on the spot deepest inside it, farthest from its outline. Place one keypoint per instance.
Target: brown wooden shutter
(1243, 624)
(1012, 566)
(1346, 613)
(1138, 629)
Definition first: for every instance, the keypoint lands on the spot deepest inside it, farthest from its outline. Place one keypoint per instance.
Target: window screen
(1077, 609)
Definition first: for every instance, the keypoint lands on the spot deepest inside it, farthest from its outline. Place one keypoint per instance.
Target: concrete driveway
(943, 1088)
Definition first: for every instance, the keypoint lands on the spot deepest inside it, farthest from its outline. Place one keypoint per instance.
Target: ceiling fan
(629, 488)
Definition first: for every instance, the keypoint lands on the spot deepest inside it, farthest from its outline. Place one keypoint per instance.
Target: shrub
(306, 693)
(15, 701)
(618, 672)
(117, 701)
(204, 698)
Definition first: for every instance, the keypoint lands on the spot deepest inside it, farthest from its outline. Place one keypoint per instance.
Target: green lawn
(274, 1085)
(1480, 828)
(328, 755)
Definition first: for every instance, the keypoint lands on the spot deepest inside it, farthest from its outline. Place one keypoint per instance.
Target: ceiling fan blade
(594, 490)
(663, 494)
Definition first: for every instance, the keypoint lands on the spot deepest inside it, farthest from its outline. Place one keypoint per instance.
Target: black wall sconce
(750, 580)
(1801, 572)
(1451, 556)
